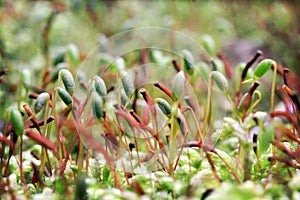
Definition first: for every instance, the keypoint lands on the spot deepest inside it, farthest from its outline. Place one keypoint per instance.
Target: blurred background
(237, 29)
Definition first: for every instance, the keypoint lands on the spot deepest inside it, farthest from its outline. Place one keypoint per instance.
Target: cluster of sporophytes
(195, 130)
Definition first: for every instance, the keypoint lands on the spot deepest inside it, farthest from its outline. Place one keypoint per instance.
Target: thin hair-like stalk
(273, 86)
(173, 133)
(207, 115)
(45, 128)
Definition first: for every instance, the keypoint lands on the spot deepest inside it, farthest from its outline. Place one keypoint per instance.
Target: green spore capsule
(263, 67)
(208, 44)
(204, 70)
(120, 64)
(64, 95)
(124, 97)
(59, 67)
(41, 101)
(220, 80)
(188, 60)
(59, 58)
(127, 84)
(17, 122)
(97, 104)
(73, 54)
(68, 80)
(26, 78)
(164, 106)
(178, 84)
(100, 86)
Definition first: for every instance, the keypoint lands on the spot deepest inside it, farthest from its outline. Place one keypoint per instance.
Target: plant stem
(87, 162)
(230, 168)
(247, 162)
(80, 156)
(45, 127)
(273, 96)
(173, 132)
(172, 146)
(213, 168)
(273, 87)
(21, 162)
(208, 108)
(57, 123)
(156, 145)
